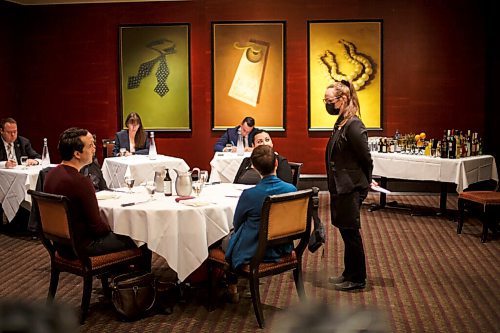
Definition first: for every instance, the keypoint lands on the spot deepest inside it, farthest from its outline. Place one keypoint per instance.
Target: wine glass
(197, 186)
(24, 161)
(151, 188)
(129, 181)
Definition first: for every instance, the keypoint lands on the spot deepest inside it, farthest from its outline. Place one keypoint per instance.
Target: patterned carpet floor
(422, 277)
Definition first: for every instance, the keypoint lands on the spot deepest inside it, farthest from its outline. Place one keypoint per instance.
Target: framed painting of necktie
(345, 51)
(248, 72)
(155, 75)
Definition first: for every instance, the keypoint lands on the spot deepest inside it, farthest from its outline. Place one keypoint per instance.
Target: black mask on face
(331, 109)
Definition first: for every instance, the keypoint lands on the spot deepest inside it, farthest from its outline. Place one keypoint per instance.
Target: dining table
(179, 229)
(14, 185)
(139, 167)
(225, 165)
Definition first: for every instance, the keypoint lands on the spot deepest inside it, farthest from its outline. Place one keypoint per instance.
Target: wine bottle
(167, 184)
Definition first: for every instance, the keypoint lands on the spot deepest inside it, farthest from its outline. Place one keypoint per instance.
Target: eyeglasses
(331, 101)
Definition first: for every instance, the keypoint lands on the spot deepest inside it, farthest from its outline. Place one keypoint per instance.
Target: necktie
(10, 153)
(161, 76)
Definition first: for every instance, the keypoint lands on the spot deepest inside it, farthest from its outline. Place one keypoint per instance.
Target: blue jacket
(122, 141)
(243, 243)
(231, 136)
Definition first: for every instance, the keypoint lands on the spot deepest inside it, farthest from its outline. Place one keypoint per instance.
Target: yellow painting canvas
(343, 50)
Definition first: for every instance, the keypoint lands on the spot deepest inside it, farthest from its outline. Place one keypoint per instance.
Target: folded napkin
(104, 195)
(195, 203)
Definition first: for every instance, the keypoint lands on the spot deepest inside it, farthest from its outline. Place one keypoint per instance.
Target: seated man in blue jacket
(246, 129)
(243, 243)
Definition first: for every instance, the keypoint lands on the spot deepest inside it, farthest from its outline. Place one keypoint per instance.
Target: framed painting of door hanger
(248, 71)
(155, 75)
(345, 50)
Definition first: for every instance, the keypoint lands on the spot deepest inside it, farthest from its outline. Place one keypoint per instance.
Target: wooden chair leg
(299, 283)
(254, 290)
(487, 218)
(87, 291)
(461, 208)
(212, 287)
(54, 281)
(106, 290)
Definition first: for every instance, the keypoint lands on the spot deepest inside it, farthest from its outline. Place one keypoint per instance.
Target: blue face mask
(331, 109)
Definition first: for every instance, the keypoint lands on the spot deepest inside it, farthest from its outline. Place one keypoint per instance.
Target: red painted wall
(63, 64)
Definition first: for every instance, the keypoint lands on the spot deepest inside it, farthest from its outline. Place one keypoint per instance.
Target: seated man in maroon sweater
(76, 147)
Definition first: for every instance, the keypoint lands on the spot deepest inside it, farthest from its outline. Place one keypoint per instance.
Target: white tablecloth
(462, 171)
(139, 167)
(14, 184)
(224, 166)
(176, 231)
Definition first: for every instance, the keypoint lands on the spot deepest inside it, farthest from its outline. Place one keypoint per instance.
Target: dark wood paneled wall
(60, 68)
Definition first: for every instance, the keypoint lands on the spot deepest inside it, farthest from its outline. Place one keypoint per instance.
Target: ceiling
(61, 2)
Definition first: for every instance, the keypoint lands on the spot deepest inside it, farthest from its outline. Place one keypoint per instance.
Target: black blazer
(348, 160)
(22, 146)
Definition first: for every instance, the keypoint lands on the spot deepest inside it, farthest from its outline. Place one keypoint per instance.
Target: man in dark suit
(14, 146)
(246, 129)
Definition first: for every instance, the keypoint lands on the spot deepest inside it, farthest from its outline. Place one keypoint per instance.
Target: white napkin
(104, 195)
(195, 203)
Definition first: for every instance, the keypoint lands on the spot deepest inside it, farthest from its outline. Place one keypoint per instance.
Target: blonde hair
(345, 90)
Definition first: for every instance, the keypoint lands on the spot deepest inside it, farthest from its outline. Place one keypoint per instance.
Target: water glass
(228, 148)
(24, 161)
(123, 151)
(197, 187)
(204, 176)
(151, 188)
(129, 181)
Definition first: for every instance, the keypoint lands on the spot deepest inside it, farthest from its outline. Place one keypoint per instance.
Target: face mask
(331, 109)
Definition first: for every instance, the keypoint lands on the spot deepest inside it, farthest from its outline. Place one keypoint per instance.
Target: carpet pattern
(421, 275)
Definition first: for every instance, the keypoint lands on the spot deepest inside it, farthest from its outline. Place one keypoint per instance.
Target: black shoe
(336, 279)
(348, 285)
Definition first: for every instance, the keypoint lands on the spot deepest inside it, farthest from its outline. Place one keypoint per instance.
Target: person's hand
(233, 149)
(10, 164)
(127, 153)
(248, 149)
(31, 162)
(373, 183)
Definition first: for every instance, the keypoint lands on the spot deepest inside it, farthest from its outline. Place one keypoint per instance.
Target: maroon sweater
(67, 181)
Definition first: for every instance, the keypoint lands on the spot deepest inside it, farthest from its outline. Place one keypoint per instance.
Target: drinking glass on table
(204, 176)
(123, 151)
(129, 181)
(24, 161)
(151, 188)
(228, 148)
(197, 187)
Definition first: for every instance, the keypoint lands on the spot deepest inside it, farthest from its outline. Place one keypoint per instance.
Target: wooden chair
(285, 218)
(295, 172)
(490, 202)
(107, 148)
(57, 229)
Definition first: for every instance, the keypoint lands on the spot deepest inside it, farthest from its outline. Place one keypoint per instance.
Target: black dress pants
(354, 255)
(109, 243)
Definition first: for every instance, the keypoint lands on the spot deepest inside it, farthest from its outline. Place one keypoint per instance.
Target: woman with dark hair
(133, 139)
(349, 173)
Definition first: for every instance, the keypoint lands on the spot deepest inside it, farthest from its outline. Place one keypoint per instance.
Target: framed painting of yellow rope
(155, 75)
(345, 50)
(248, 74)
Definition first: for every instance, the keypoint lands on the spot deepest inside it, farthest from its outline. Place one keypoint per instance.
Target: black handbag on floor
(133, 294)
(318, 236)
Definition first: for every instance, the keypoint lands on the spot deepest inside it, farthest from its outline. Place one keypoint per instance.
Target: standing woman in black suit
(349, 170)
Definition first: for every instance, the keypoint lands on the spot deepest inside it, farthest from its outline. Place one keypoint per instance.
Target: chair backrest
(285, 217)
(53, 216)
(295, 172)
(107, 147)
